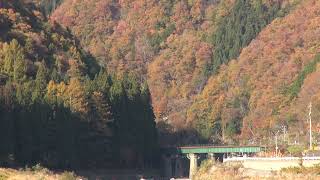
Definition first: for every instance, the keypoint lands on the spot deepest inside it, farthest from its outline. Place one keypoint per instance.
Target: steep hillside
(270, 85)
(129, 35)
(126, 35)
(42, 41)
(173, 45)
(58, 107)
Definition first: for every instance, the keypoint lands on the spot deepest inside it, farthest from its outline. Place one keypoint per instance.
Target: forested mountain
(221, 71)
(58, 107)
(269, 86)
(178, 47)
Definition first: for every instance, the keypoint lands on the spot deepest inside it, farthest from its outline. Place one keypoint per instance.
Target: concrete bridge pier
(173, 162)
(193, 164)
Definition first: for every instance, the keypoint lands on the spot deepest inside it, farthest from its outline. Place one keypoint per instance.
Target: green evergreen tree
(13, 57)
(101, 112)
(148, 128)
(237, 29)
(40, 83)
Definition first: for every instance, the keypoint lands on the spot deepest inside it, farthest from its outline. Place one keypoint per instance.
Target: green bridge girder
(213, 149)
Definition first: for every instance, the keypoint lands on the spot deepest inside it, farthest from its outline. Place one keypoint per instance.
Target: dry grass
(210, 171)
(35, 173)
(315, 170)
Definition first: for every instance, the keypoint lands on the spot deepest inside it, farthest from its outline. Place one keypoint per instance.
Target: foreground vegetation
(303, 170)
(35, 173)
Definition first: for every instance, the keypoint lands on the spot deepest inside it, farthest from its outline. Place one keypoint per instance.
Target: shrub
(68, 176)
(295, 150)
(37, 168)
(206, 165)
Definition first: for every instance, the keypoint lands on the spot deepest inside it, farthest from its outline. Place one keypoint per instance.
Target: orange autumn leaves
(269, 65)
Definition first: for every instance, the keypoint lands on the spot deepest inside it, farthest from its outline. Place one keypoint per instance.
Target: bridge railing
(216, 145)
(268, 158)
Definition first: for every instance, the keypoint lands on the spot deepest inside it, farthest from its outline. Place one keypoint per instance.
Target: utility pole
(276, 145)
(284, 130)
(310, 126)
(276, 138)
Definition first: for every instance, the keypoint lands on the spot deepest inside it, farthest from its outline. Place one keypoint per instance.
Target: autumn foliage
(183, 49)
(257, 88)
(152, 39)
(58, 107)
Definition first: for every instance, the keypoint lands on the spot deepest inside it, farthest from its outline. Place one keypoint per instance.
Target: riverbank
(38, 172)
(236, 171)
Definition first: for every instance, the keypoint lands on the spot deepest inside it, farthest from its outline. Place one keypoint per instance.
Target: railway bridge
(172, 156)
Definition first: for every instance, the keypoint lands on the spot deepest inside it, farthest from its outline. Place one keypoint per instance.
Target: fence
(269, 158)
